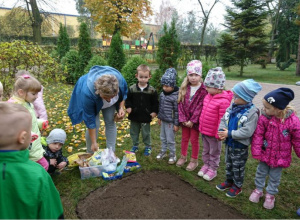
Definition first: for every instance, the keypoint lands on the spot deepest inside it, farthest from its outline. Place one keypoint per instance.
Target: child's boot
(255, 196)
(172, 159)
(147, 151)
(234, 191)
(269, 201)
(192, 165)
(182, 160)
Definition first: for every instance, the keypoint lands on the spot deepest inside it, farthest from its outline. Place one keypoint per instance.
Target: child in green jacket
(26, 189)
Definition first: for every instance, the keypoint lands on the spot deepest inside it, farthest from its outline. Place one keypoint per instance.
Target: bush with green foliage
(63, 42)
(71, 64)
(84, 47)
(96, 60)
(129, 70)
(17, 55)
(116, 56)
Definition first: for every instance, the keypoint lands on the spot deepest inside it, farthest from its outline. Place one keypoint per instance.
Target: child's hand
(159, 122)
(61, 165)
(153, 115)
(176, 128)
(121, 113)
(45, 125)
(189, 124)
(53, 162)
(129, 110)
(223, 134)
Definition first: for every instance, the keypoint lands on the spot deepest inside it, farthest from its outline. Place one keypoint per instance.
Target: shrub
(155, 80)
(116, 57)
(17, 55)
(129, 70)
(96, 60)
(71, 65)
(63, 42)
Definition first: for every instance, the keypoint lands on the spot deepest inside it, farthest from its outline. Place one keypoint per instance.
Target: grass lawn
(72, 188)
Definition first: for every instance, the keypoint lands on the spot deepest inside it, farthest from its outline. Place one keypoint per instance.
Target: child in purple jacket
(278, 130)
(190, 103)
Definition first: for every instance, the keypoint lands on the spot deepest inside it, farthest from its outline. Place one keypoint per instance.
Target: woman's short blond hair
(107, 85)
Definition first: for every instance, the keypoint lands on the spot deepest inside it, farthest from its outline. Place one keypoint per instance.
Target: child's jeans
(167, 137)
(263, 170)
(193, 135)
(44, 163)
(136, 128)
(211, 151)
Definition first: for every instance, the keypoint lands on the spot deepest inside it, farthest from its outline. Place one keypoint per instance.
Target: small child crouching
(53, 152)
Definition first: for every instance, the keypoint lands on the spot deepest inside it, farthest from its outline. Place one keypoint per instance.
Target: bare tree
(206, 17)
(165, 13)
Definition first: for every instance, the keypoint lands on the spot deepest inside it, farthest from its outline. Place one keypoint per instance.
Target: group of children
(198, 107)
(206, 108)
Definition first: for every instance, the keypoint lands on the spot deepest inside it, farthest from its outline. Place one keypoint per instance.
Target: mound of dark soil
(157, 195)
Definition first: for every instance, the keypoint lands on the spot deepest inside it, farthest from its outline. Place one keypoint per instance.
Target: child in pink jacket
(278, 130)
(214, 106)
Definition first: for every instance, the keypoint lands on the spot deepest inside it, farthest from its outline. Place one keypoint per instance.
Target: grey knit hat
(57, 135)
(169, 77)
(215, 78)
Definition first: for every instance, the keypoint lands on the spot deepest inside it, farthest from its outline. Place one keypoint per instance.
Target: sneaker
(161, 155)
(172, 159)
(134, 149)
(234, 191)
(182, 160)
(210, 174)
(192, 165)
(147, 151)
(269, 201)
(203, 170)
(223, 186)
(255, 196)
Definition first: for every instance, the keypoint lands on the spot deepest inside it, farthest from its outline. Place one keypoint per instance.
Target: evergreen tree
(84, 46)
(116, 55)
(63, 42)
(246, 21)
(168, 48)
(167, 54)
(226, 50)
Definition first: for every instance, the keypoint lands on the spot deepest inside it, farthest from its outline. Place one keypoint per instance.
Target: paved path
(267, 87)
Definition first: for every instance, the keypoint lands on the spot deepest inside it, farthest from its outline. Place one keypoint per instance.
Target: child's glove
(34, 136)
(45, 125)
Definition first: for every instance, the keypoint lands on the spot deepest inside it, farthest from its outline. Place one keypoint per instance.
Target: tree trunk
(242, 66)
(36, 22)
(298, 59)
(273, 31)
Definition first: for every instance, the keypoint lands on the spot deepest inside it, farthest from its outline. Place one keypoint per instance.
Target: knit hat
(247, 89)
(195, 66)
(215, 78)
(57, 135)
(280, 98)
(169, 77)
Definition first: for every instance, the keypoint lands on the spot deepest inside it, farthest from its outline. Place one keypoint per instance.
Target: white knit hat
(57, 135)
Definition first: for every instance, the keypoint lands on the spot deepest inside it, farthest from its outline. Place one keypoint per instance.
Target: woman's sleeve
(296, 136)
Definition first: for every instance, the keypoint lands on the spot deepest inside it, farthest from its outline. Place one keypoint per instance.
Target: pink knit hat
(195, 66)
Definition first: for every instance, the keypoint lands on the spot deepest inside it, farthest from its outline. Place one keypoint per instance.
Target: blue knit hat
(247, 89)
(280, 98)
(169, 77)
